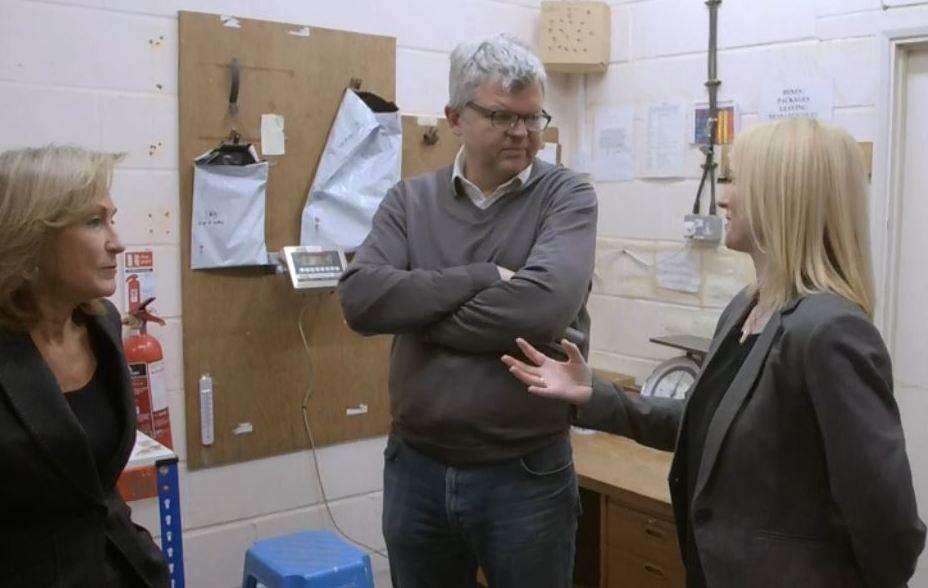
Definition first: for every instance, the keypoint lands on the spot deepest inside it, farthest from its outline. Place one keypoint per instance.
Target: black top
(93, 406)
(718, 377)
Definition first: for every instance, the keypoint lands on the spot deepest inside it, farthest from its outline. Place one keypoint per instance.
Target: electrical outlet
(702, 227)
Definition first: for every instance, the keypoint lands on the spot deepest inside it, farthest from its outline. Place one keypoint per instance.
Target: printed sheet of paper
(614, 145)
(139, 277)
(812, 98)
(679, 270)
(666, 141)
(272, 134)
(548, 153)
(728, 123)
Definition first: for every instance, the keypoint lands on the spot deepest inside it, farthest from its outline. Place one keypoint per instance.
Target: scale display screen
(307, 262)
(314, 268)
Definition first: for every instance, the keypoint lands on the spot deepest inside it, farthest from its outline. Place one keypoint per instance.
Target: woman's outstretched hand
(569, 380)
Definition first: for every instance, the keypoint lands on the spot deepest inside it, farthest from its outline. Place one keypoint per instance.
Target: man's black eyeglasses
(508, 120)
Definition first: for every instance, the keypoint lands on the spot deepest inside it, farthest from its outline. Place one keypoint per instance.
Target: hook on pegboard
(430, 137)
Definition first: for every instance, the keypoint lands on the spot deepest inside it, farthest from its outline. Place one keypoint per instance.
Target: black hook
(430, 137)
(234, 70)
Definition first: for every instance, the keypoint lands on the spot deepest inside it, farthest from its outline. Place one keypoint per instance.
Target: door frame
(886, 188)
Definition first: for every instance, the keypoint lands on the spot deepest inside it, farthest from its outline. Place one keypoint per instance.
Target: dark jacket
(58, 518)
(804, 479)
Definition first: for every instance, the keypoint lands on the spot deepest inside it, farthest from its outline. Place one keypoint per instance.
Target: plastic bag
(360, 163)
(229, 185)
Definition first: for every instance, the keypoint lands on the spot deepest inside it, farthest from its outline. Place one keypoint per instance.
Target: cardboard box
(575, 36)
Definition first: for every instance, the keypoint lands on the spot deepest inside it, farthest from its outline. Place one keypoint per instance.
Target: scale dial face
(672, 378)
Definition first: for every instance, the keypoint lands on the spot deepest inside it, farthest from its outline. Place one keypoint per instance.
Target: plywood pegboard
(419, 156)
(240, 325)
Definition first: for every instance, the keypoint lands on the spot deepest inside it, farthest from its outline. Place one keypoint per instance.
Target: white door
(910, 332)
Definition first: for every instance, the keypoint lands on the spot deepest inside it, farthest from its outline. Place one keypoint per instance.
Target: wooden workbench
(627, 536)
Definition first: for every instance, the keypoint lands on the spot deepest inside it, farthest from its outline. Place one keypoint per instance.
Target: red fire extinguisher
(146, 370)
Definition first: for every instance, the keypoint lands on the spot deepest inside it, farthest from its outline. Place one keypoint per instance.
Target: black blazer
(58, 517)
(804, 479)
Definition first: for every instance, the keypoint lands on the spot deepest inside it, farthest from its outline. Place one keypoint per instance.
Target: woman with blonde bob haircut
(67, 410)
(789, 463)
(804, 196)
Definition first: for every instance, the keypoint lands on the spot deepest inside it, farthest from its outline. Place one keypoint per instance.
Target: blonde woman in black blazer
(790, 466)
(67, 412)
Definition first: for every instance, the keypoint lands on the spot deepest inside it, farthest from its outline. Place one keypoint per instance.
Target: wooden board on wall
(240, 325)
(419, 156)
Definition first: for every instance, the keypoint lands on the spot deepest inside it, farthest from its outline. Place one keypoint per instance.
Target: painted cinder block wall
(103, 73)
(659, 54)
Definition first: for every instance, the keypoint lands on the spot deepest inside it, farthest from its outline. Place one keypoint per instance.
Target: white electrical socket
(702, 227)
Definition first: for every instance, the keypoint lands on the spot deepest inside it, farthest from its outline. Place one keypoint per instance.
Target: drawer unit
(640, 547)
(637, 539)
(626, 570)
(643, 533)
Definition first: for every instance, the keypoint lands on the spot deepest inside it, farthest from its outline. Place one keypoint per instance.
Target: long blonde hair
(802, 188)
(42, 190)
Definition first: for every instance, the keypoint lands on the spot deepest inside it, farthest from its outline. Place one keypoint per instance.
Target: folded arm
(380, 294)
(542, 297)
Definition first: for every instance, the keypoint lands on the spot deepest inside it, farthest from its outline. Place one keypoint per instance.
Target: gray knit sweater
(427, 273)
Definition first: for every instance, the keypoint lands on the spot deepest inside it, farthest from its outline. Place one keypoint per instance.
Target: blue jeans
(517, 519)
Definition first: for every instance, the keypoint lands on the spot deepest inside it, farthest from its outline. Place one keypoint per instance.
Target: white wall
(660, 55)
(103, 73)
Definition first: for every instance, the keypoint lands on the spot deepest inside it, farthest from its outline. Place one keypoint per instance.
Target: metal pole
(712, 84)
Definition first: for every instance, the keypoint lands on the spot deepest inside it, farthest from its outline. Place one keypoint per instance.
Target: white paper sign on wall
(613, 148)
(811, 98)
(665, 141)
(679, 270)
(139, 277)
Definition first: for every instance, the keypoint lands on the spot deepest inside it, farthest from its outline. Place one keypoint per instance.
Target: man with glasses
(460, 262)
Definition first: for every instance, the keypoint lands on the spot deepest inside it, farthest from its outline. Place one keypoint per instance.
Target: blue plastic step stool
(311, 559)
